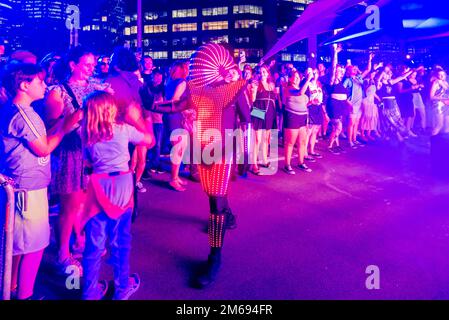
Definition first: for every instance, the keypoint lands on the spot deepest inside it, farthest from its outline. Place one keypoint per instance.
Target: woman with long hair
(316, 113)
(405, 90)
(174, 90)
(391, 116)
(418, 102)
(68, 176)
(338, 107)
(439, 95)
(263, 117)
(354, 82)
(369, 123)
(295, 120)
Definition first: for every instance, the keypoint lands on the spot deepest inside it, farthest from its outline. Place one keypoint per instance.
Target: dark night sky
(89, 7)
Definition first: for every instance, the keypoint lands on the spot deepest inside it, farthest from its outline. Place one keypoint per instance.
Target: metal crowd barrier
(6, 237)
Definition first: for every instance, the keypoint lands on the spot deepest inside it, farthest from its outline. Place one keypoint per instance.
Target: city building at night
(41, 25)
(173, 29)
(8, 36)
(287, 13)
(103, 29)
(44, 10)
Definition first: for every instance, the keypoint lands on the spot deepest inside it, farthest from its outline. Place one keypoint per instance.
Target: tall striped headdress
(209, 64)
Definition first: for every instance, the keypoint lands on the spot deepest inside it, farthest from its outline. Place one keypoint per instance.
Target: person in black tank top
(263, 117)
(337, 104)
(405, 100)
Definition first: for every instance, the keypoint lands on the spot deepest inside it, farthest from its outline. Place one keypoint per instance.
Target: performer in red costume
(219, 98)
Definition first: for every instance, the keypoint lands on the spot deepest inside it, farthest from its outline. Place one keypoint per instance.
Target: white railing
(7, 209)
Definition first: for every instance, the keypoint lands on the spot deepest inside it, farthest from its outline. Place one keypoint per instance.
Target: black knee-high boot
(219, 205)
(218, 220)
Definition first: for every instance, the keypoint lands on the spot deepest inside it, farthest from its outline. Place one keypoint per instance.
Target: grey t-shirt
(356, 92)
(20, 125)
(113, 155)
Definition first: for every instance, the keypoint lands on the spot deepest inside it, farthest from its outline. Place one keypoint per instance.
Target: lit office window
(158, 54)
(215, 25)
(127, 19)
(219, 39)
(184, 13)
(156, 28)
(237, 52)
(242, 40)
(95, 27)
(181, 27)
(251, 53)
(218, 11)
(86, 28)
(127, 31)
(185, 41)
(150, 16)
(247, 24)
(104, 19)
(248, 9)
(184, 54)
(286, 57)
(299, 57)
(300, 1)
(133, 29)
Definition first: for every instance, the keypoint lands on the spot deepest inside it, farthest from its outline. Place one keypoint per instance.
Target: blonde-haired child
(110, 192)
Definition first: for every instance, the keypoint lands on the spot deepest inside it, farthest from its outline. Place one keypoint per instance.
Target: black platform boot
(213, 267)
(231, 220)
(217, 231)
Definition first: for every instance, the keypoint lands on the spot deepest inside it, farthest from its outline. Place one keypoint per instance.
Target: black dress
(265, 100)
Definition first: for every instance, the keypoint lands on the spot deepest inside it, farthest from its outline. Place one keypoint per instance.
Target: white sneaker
(140, 187)
(133, 286)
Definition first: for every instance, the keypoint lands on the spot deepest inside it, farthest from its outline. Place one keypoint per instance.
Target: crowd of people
(85, 129)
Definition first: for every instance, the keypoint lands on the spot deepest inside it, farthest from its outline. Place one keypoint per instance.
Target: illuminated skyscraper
(43, 24)
(5, 14)
(44, 9)
(102, 29)
(9, 25)
(173, 29)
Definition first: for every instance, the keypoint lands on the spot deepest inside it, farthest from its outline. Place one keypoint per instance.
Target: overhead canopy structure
(407, 20)
(319, 17)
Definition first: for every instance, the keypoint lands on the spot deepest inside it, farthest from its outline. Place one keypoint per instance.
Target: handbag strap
(268, 101)
(69, 90)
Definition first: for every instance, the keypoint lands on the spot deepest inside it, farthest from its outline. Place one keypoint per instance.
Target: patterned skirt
(67, 166)
(392, 121)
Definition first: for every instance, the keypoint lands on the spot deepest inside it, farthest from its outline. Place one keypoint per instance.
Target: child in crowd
(109, 203)
(25, 151)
